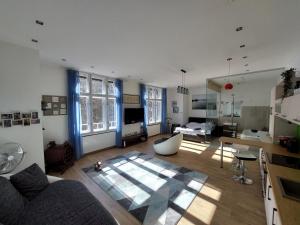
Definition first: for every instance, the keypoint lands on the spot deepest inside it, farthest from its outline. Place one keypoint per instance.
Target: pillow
(30, 181)
(193, 125)
(11, 201)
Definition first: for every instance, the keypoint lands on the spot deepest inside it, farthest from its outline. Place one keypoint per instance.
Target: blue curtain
(144, 105)
(164, 122)
(74, 112)
(119, 100)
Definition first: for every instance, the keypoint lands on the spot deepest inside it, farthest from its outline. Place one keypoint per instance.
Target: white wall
(130, 88)
(20, 90)
(182, 103)
(133, 88)
(54, 82)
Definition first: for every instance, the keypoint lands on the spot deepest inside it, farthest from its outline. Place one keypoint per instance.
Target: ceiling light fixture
(228, 85)
(242, 46)
(245, 57)
(39, 22)
(239, 29)
(246, 64)
(92, 67)
(34, 40)
(63, 59)
(182, 89)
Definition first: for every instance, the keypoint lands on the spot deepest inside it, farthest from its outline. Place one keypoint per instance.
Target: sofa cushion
(11, 202)
(30, 181)
(66, 202)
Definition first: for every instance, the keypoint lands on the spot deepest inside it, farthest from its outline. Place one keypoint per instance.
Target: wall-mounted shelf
(295, 121)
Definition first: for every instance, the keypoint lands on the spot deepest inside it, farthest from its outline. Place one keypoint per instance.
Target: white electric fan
(11, 155)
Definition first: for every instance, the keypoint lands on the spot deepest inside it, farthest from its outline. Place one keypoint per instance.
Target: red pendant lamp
(228, 85)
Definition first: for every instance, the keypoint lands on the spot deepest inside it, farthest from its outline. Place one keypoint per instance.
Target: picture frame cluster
(19, 119)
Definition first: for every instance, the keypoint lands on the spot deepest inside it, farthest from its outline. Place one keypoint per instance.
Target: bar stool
(242, 157)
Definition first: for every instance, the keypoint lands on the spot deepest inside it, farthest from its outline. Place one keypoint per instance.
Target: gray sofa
(62, 202)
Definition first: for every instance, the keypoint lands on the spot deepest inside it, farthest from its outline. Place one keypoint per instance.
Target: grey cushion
(66, 202)
(30, 181)
(11, 202)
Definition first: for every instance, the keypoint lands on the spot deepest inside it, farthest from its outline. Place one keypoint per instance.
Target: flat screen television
(133, 115)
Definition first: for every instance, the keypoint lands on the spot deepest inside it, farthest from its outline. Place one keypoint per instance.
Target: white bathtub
(256, 136)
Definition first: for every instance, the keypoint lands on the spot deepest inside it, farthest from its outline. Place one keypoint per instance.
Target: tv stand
(133, 139)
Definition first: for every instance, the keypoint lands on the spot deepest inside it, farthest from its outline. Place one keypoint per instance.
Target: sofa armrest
(53, 179)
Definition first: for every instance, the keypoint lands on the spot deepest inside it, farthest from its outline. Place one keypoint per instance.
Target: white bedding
(195, 129)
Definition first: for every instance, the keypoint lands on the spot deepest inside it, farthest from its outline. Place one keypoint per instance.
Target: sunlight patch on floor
(211, 192)
(190, 150)
(195, 143)
(227, 154)
(225, 158)
(203, 211)
(193, 147)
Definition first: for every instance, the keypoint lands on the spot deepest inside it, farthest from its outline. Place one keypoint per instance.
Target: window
(97, 104)
(154, 101)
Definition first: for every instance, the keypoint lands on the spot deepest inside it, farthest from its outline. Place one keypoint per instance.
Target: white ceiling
(153, 39)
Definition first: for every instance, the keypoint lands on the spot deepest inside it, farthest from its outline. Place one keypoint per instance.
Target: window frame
(155, 100)
(92, 95)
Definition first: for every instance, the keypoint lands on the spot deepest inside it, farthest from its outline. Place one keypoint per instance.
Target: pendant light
(228, 85)
(182, 89)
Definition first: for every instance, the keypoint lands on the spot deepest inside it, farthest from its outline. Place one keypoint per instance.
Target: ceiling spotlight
(63, 59)
(92, 67)
(245, 57)
(39, 22)
(242, 46)
(239, 29)
(229, 59)
(183, 71)
(34, 40)
(246, 64)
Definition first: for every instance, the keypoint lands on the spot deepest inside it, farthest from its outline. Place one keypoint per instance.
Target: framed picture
(16, 116)
(6, 116)
(34, 115)
(7, 123)
(63, 112)
(17, 122)
(131, 99)
(55, 99)
(175, 109)
(26, 122)
(35, 121)
(26, 115)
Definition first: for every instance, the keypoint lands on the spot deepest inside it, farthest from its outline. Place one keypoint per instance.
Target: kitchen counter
(289, 210)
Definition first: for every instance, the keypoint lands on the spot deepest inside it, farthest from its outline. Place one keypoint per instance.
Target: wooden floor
(221, 201)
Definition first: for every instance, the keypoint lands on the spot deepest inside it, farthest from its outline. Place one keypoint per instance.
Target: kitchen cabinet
(271, 208)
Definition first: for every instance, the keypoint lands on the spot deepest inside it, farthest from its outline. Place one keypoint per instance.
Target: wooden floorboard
(221, 201)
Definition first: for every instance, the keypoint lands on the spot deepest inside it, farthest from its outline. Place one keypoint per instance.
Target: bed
(197, 128)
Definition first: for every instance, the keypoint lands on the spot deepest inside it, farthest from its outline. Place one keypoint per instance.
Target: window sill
(97, 133)
(153, 124)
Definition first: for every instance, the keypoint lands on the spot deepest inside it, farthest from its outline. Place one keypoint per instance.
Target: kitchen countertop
(289, 210)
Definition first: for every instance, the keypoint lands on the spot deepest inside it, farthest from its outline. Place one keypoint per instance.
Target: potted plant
(288, 77)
